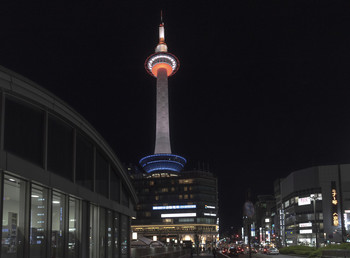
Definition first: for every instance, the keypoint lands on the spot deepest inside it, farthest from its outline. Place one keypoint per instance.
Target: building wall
(174, 192)
(317, 180)
(63, 189)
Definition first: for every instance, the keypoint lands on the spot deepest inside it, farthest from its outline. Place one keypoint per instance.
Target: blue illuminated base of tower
(162, 162)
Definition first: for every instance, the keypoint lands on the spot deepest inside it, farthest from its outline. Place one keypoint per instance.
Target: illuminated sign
(304, 201)
(209, 214)
(174, 207)
(305, 231)
(267, 220)
(334, 197)
(305, 225)
(178, 215)
(209, 207)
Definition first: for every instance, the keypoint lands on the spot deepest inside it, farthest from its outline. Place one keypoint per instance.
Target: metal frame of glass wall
(39, 222)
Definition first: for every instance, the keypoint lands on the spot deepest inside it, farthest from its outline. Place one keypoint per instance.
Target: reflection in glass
(109, 233)
(102, 232)
(38, 222)
(124, 235)
(116, 235)
(93, 235)
(57, 233)
(73, 248)
(12, 208)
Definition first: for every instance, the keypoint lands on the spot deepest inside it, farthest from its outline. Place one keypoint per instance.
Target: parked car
(272, 251)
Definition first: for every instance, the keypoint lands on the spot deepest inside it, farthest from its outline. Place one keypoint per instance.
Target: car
(240, 250)
(272, 251)
(232, 251)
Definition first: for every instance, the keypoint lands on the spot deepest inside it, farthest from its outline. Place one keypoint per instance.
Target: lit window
(173, 189)
(180, 197)
(147, 214)
(185, 189)
(151, 183)
(156, 197)
(186, 196)
(165, 190)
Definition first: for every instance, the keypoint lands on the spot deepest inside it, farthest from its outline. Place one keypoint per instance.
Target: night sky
(263, 88)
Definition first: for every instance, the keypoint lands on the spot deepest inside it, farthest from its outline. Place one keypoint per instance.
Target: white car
(272, 251)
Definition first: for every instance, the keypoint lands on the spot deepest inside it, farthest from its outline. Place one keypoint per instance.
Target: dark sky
(263, 88)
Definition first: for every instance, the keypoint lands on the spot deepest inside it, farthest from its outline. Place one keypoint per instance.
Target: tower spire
(161, 47)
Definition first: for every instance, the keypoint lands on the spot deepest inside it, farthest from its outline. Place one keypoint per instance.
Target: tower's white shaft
(162, 124)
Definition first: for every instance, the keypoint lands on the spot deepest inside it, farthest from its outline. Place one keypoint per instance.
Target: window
(156, 197)
(24, 131)
(116, 235)
(185, 181)
(57, 225)
(164, 190)
(102, 175)
(185, 188)
(102, 233)
(84, 162)
(73, 230)
(38, 222)
(93, 232)
(109, 233)
(124, 235)
(60, 148)
(125, 198)
(147, 214)
(151, 183)
(13, 211)
(180, 197)
(115, 186)
(185, 196)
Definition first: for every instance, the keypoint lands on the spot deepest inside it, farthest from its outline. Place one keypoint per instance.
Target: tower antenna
(161, 17)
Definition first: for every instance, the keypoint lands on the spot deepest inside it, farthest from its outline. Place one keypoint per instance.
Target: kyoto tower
(162, 65)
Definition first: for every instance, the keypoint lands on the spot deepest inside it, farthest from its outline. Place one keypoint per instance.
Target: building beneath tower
(177, 207)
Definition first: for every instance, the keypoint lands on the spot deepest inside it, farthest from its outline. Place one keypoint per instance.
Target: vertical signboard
(334, 199)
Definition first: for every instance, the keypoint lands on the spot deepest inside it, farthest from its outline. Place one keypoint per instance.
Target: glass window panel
(102, 232)
(116, 223)
(57, 224)
(115, 186)
(109, 233)
(101, 174)
(84, 162)
(24, 131)
(93, 232)
(125, 197)
(73, 235)
(13, 207)
(124, 235)
(38, 222)
(60, 148)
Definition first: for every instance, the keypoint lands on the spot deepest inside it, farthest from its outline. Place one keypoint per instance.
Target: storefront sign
(304, 201)
(334, 199)
(305, 225)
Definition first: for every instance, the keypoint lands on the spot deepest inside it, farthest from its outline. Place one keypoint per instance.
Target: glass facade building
(64, 193)
(177, 207)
